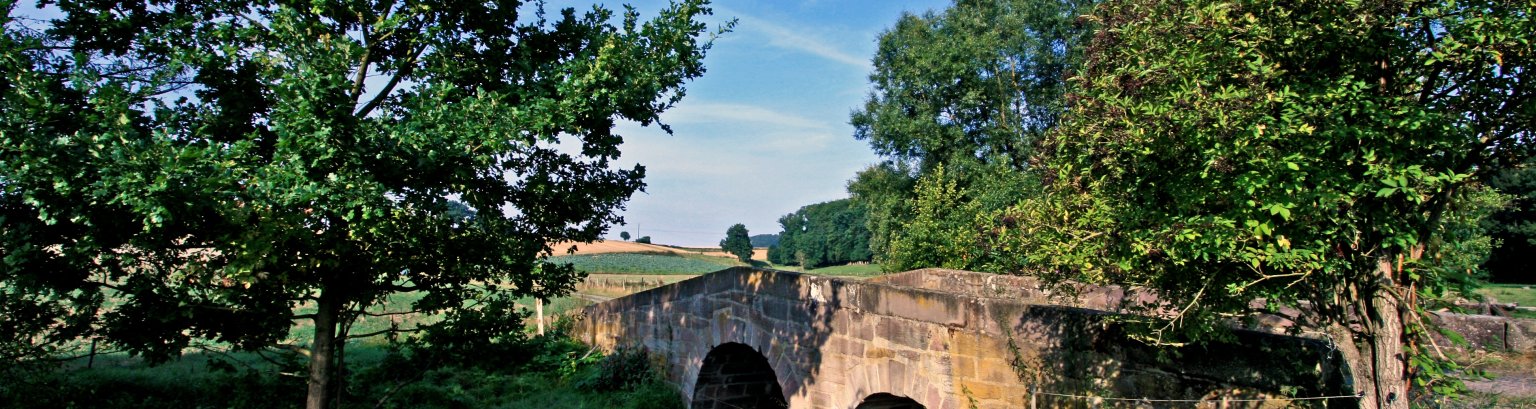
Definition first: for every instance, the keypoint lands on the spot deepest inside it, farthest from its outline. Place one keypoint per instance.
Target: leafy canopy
(822, 234)
(972, 88)
(211, 167)
(737, 242)
(1222, 152)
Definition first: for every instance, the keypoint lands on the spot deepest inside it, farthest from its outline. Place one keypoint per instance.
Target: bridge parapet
(942, 338)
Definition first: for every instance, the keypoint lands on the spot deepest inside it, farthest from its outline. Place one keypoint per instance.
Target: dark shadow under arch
(735, 376)
(888, 401)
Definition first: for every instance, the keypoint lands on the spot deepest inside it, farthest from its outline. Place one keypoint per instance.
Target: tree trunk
(1381, 372)
(321, 353)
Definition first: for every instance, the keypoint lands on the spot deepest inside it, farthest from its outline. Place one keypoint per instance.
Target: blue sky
(765, 131)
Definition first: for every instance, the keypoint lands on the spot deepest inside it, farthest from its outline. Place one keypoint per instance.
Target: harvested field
(612, 246)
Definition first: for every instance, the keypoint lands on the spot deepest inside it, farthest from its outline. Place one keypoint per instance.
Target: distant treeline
(765, 240)
(822, 234)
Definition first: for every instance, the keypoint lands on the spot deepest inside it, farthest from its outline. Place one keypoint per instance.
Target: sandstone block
(901, 332)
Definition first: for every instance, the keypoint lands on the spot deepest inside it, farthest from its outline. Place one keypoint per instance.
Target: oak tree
(737, 242)
(221, 169)
(973, 88)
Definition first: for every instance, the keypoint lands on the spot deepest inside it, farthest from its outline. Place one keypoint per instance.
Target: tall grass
(547, 372)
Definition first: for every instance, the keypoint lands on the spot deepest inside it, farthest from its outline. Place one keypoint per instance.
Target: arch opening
(884, 400)
(735, 376)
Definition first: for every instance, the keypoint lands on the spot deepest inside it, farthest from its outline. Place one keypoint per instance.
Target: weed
(625, 369)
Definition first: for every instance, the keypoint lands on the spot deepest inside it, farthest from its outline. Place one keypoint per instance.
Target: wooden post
(89, 363)
(538, 307)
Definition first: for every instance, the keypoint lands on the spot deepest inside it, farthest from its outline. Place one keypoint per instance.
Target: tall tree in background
(737, 242)
(972, 88)
(215, 166)
(1308, 155)
(823, 234)
(1514, 257)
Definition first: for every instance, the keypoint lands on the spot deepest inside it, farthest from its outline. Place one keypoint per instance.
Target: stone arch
(736, 376)
(884, 400)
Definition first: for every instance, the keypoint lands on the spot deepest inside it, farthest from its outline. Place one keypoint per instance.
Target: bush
(625, 369)
(550, 371)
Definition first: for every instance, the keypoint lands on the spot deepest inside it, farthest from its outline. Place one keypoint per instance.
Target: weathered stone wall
(1488, 332)
(946, 339)
(608, 284)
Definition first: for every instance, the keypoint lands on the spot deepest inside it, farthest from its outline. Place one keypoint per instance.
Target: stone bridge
(747, 338)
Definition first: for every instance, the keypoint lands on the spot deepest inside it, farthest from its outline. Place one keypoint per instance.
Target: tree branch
(400, 74)
(362, 66)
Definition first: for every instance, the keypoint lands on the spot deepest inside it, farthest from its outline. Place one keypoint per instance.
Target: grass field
(645, 263)
(1523, 294)
(848, 270)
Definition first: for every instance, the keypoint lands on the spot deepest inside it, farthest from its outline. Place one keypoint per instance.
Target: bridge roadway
(750, 338)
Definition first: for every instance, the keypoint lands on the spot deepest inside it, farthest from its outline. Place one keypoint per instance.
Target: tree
(823, 234)
(1219, 153)
(1514, 228)
(644, 240)
(624, 235)
(980, 82)
(216, 167)
(737, 242)
(886, 191)
(973, 89)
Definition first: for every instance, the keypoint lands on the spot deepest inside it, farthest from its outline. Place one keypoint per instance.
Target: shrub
(626, 368)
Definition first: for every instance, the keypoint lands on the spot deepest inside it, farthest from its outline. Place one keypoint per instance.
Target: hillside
(614, 246)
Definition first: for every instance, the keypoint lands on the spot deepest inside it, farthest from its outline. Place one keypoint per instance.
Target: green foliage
(885, 191)
(644, 240)
(980, 82)
(644, 263)
(822, 234)
(1514, 228)
(183, 384)
(737, 242)
(972, 88)
(212, 166)
(1219, 153)
(552, 371)
(624, 235)
(941, 232)
(625, 368)
(954, 216)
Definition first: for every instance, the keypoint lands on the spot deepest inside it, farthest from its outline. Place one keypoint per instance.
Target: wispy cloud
(714, 112)
(799, 39)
